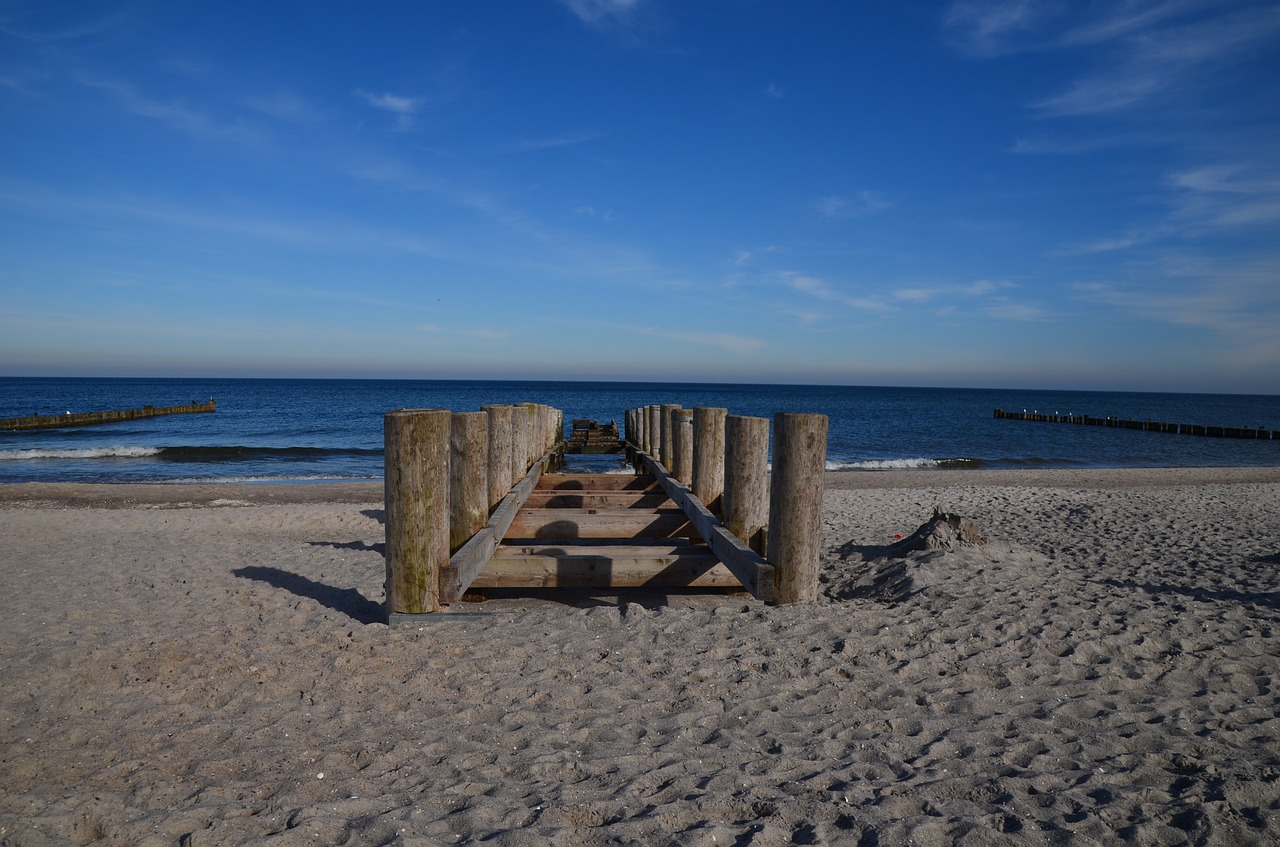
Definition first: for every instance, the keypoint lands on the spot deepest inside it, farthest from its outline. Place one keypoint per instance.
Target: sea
(298, 431)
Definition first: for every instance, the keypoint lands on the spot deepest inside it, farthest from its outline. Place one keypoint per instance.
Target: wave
(80, 453)
(206, 455)
(904, 464)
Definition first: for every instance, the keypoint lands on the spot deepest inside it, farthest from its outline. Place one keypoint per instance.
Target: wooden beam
(755, 574)
(568, 524)
(596, 482)
(472, 557)
(544, 499)
(550, 566)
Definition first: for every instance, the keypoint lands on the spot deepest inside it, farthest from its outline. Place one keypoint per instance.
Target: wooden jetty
(94, 418)
(473, 502)
(1260, 433)
(588, 436)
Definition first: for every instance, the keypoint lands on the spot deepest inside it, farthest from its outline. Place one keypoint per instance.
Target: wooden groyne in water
(1260, 433)
(93, 418)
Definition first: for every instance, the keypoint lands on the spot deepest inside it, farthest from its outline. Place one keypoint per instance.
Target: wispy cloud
(821, 290)
(1228, 196)
(597, 12)
(1237, 302)
(1010, 311)
(178, 115)
(839, 207)
(988, 28)
(1151, 46)
(402, 107)
(739, 344)
(568, 139)
(285, 106)
(1153, 59)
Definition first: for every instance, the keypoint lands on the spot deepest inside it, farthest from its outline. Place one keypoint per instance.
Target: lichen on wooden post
(745, 502)
(682, 445)
(795, 504)
(708, 456)
(500, 481)
(468, 476)
(416, 494)
(667, 449)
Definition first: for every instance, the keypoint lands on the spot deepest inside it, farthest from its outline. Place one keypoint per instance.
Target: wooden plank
(605, 567)
(472, 557)
(596, 482)
(747, 565)
(543, 499)
(567, 524)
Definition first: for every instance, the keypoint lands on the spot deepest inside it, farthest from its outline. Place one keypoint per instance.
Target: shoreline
(123, 495)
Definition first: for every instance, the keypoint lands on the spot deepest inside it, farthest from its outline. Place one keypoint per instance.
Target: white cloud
(739, 344)
(601, 11)
(1228, 195)
(819, 289)
(567, 139)
(177, 115)
(990, 27)
(404, 108)
(839, 207)
(1016, 312)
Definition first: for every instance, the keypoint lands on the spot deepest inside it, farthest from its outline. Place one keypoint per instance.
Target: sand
(208, 666)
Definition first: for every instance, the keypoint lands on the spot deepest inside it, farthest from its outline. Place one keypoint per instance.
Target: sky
(981, 193)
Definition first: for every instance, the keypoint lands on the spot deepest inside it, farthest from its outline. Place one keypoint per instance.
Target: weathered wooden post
(655, 431)
(795, 504)
(746, 479)
(682, 445)
(519, 445)
(708, 455)
(416, 492)
(529, 414)
(668, 449)
(500, 481)
(468, 476)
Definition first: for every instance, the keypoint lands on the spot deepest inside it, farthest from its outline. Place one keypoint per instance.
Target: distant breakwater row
(70, 418)
(1257, 433)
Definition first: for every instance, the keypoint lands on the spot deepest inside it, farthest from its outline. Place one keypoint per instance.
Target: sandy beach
(207, 665)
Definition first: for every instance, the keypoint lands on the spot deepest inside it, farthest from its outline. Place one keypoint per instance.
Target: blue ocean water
(310, 430)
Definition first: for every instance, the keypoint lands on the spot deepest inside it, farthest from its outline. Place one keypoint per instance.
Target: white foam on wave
(266, 480)
(883, 465)
(81, 453)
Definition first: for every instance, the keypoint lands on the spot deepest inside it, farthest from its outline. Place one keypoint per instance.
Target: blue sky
(1003, 193)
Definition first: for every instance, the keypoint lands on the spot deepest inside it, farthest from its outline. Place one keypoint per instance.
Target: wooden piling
(468, 476)
(519, 445)
(682, 445)
(499, 481)
(708, 456)
(668, 449)
(795, 504)
(416, 492)
(655, 432)
(746, 479)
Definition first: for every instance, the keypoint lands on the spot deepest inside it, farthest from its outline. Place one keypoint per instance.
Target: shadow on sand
(348, 601)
